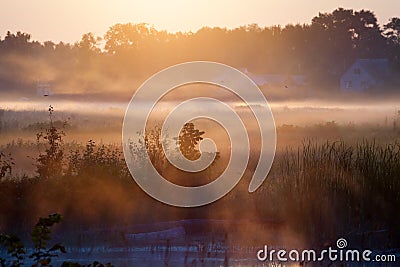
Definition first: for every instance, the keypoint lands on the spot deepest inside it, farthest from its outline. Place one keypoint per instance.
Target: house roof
(377, 68)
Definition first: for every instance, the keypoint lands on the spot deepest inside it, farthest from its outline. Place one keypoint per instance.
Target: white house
(365, 74)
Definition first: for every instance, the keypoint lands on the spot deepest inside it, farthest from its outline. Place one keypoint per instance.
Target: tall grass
(336, 189)
(321, 191)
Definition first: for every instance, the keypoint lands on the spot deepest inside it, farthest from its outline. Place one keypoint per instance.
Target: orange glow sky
(68, 20)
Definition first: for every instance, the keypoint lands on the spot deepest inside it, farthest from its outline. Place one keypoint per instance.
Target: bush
(50, 163)
(42, 253)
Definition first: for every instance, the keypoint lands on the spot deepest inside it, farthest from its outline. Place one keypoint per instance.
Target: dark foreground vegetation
(315, 193)
(42, 253)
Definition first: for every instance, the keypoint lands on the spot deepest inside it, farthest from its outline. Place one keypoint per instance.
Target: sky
(66, 21)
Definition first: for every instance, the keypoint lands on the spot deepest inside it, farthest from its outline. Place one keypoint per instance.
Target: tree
(49, 45)
(89, 42)
(18, 41)
(392, 31)
(128, 36)
(50, 163)
(188, 139)
(342, 36)
(332, 43)
(392, 34)
(368, 38)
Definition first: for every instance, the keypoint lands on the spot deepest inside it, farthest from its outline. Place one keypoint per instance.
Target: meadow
(329, 180)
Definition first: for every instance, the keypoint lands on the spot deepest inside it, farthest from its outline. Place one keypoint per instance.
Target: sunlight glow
(67, 21)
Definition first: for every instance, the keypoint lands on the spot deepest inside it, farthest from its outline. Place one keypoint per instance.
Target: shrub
(50, 163)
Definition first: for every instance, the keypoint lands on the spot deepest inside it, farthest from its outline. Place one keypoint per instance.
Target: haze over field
(289, 62)
(330, 71)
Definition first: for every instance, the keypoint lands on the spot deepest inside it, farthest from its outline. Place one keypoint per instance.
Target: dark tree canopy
(321, 50)
(188, 140)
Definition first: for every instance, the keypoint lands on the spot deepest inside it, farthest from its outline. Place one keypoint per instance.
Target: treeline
(128, 53)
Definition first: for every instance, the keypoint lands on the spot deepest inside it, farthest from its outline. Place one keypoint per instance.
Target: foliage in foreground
(318, 190)
(42, 254)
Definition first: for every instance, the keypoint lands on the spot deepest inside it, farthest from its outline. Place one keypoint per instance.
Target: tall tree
(392, 30)
(89, 42)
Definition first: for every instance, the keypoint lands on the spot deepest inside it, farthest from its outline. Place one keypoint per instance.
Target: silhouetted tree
(392, 30)
(50, 163)
(17, 42)
(392, 34)
(188, 139)
(89, 42)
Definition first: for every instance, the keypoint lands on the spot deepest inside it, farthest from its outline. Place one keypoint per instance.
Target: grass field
(328, 180)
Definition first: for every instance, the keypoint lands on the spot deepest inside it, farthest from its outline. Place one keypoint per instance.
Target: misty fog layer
(113, 66)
